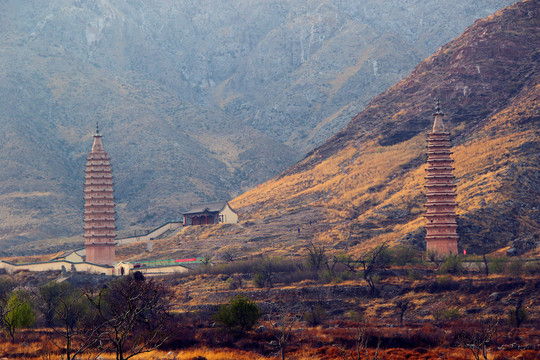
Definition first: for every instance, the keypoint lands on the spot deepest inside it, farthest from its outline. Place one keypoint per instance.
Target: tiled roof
(211, 207)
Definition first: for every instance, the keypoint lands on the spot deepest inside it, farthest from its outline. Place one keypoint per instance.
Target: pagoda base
(100, 253)
(442, 248)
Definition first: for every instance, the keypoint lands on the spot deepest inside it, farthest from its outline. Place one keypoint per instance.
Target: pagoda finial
(438, 125)
(97, 127)
(438, 107)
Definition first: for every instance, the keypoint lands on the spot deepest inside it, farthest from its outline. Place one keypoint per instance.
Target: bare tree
(48, 296)
(133, 311)
(518, 315)
(69, 314)
(229, 255)
(350, 262)
(316, 257)
(402, 305)
(486, 264)
(265, 272)
(361, 350)
(435, 258)
(477, 340)
(370, 263)
(286, 318)
(206, 260)
(316, 313)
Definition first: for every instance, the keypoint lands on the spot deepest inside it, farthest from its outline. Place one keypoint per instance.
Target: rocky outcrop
(524, 245)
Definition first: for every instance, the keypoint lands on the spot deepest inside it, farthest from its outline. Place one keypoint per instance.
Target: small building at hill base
(74, 256)
(219, 212)
(119, 269)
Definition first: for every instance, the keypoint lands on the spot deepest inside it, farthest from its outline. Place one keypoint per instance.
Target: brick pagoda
(99, 228)
(441, 225)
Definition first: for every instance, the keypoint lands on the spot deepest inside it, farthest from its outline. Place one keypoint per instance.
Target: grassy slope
(373, 193)
(365, 185)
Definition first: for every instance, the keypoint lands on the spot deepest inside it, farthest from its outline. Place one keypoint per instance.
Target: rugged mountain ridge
(197, 100)
(364, 186)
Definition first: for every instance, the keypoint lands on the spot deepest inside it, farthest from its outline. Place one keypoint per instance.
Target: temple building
(441, 225)
(99, 227)
(210, 213)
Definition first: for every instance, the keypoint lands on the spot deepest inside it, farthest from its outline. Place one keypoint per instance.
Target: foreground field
(405, 312)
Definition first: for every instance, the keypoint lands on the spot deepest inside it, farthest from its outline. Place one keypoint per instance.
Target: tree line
(127, 316)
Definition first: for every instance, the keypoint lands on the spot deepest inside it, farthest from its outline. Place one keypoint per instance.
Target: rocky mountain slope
(197, 100)
(365, 185)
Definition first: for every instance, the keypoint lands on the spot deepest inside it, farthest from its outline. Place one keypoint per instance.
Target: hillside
(197, 100)
(365, 185)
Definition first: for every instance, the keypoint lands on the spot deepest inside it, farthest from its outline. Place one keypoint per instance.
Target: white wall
(229, 216)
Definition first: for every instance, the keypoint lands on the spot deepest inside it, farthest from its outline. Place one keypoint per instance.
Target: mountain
(197, 100)
(365, 185)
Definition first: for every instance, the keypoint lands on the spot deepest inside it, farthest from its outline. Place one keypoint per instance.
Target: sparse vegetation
(335, 239)
(239, 316)
(316, 320)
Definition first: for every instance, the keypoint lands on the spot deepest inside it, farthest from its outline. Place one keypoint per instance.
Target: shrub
(452, 265)
(235, 282)
(239, 316)
(445, 314)
(327, 277)
(413, 274)
(515, 267)
(316, 315)
(497, 265)
(443, 283)
(21, 315)
(267, 271)
(532, 268)
(259, 280)
(385, 256)
(517, 316)
(451, 314)
(428, 335)
(403, 255)
(297, 276)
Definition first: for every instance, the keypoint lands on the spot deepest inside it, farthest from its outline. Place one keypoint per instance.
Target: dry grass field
(331, 311)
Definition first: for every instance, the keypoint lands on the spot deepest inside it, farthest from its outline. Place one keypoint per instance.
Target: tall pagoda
(441, 225)
(99, 227)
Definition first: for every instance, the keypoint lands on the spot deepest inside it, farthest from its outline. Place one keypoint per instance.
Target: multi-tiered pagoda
(441, 225)
(99, 228)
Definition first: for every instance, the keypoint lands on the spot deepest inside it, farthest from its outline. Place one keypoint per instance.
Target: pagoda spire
(441, 225)
(438, 125)
(99, 221)
(98, 143)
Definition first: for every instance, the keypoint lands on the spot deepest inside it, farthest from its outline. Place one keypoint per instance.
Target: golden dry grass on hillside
(356, 193)
(360, 197)
(341, 186)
